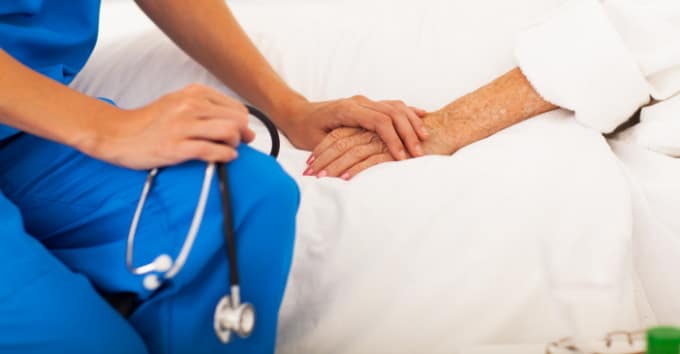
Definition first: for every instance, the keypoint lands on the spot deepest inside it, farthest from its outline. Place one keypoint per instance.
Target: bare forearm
(506, 101)
(41, 106)
(208, 31)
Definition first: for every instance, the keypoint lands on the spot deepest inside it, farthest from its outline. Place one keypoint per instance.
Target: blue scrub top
(53, 37)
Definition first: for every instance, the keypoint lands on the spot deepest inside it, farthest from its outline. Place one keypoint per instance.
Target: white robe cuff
(575, 59)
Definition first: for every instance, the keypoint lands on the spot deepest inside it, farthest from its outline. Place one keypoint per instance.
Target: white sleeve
(603, 59)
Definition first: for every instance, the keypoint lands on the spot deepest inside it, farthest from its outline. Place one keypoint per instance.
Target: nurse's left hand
(195, 123)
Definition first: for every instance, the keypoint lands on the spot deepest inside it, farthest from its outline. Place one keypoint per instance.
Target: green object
(663, 340)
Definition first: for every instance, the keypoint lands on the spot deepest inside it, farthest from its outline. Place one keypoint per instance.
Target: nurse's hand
(397, 124)
(196, 123)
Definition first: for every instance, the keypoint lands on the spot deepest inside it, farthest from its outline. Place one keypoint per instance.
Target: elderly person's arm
(601, 59)
(506, 101)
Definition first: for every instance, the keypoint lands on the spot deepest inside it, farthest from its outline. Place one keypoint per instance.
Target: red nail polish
(346, 176)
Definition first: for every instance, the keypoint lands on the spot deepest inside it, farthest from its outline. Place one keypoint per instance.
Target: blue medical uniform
(64, 219)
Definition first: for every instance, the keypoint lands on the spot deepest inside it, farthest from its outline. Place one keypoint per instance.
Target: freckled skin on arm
(504, 102)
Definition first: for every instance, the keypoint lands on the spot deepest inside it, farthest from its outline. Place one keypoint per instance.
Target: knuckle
(375, 139)
(195, 151)
(227, 131)
(359, 98)
(346, 105)
(243, 119)
(243, 109)
(224, 154)
(188, 104)
(203, 151)
(336, 134)
(189, 89)
(194, 88)
(366, 137)
(341, 145)
(235, 125)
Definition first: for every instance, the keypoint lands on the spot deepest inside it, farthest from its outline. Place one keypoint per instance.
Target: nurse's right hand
(195, 123)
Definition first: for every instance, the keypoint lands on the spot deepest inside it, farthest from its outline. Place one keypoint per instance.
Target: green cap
(663, 340)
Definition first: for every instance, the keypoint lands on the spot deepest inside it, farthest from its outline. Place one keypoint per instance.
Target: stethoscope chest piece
(233, 317)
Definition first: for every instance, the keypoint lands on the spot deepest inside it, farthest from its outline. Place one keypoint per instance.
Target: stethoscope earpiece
(152, 282)
(161, 264)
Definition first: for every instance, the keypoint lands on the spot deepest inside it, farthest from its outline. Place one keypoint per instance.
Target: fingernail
(346, 176)
(322, 174)
(402, 155)
(419, 150)
(308, 172)
(311, 159)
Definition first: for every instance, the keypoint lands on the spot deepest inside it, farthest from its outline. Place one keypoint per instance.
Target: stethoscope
(230, 314)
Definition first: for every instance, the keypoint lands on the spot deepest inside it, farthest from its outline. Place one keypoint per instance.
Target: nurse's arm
(195, 123)
(208, 32)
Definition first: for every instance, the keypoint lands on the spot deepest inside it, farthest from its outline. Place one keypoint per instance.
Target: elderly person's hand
(399, 126)
(345, 152)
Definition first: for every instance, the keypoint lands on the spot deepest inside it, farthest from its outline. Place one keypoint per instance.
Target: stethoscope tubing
(229, 233)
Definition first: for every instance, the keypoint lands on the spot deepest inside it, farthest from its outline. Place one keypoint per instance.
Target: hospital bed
(538, 231)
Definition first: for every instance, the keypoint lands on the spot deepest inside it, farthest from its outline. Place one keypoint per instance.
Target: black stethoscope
(230, 314)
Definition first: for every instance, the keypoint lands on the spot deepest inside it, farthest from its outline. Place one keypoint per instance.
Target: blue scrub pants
(64, 219)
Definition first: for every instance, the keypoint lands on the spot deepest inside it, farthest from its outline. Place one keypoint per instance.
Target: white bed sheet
(438, 252)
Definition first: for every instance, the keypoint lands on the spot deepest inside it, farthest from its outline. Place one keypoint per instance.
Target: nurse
(71, 170)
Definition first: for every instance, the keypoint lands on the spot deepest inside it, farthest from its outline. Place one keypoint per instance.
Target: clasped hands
(367, 133)
(353, 145)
